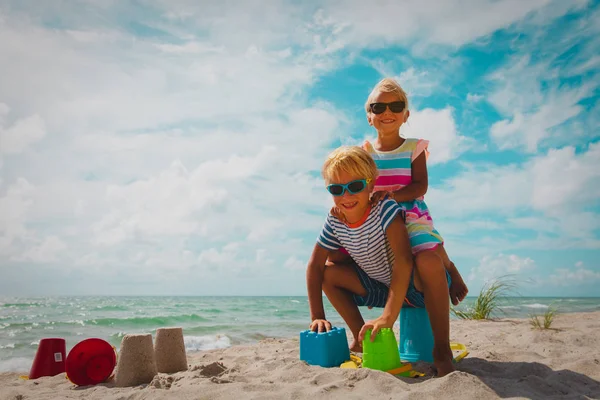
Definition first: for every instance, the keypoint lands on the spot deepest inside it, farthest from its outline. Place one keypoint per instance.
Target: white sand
(507, 360)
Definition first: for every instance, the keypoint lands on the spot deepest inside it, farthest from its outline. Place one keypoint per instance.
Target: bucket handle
(459, 347)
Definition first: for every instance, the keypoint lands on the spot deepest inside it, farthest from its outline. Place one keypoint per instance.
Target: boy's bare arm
(419, 181)
(314, 282)
(403, 263)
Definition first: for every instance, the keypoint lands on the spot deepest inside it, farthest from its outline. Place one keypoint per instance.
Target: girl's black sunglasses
(395, 107)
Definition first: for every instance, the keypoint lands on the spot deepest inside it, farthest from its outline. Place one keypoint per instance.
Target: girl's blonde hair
(351, 159)
(387, 85)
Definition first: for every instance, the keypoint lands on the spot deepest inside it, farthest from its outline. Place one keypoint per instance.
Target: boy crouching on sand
(380, 271)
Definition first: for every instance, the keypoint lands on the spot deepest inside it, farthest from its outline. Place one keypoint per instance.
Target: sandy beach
(508, 359)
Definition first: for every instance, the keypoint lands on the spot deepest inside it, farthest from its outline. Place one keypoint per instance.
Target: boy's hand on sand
(376, 197)
(376, 326)
(320, 325)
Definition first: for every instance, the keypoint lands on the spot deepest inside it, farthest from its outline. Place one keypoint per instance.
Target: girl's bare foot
(443, 368)
(458, 289)
(442, 360)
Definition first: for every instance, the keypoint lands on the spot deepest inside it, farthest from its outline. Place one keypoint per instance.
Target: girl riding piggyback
(402, 167)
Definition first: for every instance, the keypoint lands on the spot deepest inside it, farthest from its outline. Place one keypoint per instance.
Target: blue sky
(173, 147)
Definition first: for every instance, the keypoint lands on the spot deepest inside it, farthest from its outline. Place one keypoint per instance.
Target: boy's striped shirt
(367, 244)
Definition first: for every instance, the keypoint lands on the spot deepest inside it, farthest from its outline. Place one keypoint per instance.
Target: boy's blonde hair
(387, 85)
(351, 159)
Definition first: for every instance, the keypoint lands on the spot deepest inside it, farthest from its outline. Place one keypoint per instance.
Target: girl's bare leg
(430, 278)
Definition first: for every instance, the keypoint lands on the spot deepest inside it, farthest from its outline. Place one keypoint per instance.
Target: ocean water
(207, 322)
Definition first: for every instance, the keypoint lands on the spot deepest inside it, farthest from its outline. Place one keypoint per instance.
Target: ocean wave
(535, 305)
(197, 343)
(118, 335)
(111, 308)
(280, 313)
(17, 325)
(147, 321)
(212, 310)
(21, 305)
(18, 364)
(8, 346)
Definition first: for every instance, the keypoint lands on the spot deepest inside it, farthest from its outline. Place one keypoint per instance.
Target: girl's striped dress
(394, 173)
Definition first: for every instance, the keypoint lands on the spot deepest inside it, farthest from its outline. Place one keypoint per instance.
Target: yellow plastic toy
(406, 370)
(349, 365)
(459, 347)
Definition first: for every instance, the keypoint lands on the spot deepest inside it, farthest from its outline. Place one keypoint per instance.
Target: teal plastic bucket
(416, 337)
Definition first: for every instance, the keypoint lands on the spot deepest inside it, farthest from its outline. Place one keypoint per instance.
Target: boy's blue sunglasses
(353, 187)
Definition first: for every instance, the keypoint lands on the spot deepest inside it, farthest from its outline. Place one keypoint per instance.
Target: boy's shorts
(377, 292)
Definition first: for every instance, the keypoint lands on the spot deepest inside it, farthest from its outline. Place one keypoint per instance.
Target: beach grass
(545, 322)
(487, 301)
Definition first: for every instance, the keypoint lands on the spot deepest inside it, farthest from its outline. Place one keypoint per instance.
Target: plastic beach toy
(382, 353)
(416, 337)
(459, 347)
(49, 359)
(405, 370)
(327, 349)
(90, 362)
(354, 363)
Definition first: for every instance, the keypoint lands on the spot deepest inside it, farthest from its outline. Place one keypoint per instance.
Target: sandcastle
(169, 350)
(137, 363)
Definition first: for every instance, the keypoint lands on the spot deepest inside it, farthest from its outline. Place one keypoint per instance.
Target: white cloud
(422, 23)
(151, 86)
(47, 251)
(576, 276)
(480, 189)
(417, 83)
(474, 97)
(175, 146)
(549, 194)
(524, 132)
(492, 267)
(226, 257)
(21, 134)
(293, 263)
(562, 178)
(14, 206)
(540, 91)
(437, 126)
(546, 183)
(592, 64)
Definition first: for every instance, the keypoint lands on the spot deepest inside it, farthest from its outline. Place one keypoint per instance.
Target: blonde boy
(376, 238)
